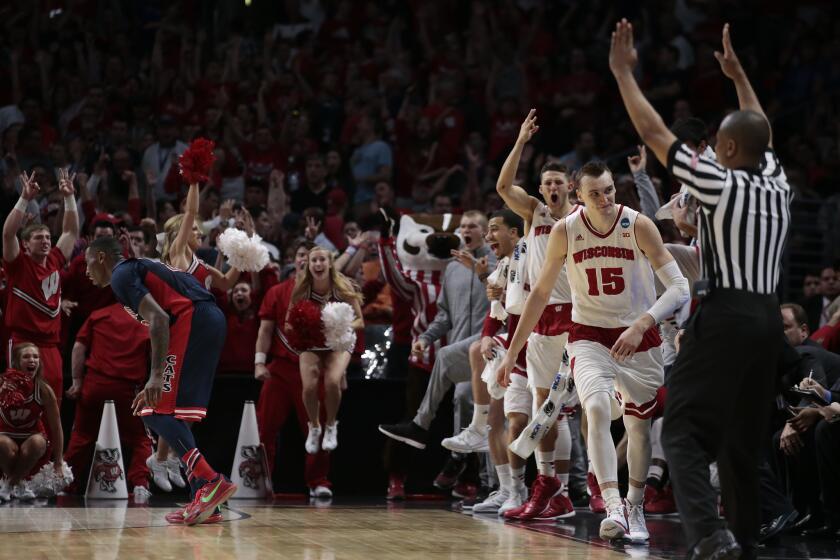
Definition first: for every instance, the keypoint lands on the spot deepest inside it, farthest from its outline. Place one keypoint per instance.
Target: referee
(721, 386)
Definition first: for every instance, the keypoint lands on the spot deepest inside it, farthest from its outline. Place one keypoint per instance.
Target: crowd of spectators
(323, 112)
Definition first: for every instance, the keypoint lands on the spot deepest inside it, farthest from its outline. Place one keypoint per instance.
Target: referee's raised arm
(721, 386)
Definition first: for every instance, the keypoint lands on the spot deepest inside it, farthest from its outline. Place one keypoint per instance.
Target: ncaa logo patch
(625, 222)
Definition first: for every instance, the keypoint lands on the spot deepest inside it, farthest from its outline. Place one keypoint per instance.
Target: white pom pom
(243, 252)
(338, 334)
(47, 483)
(489, 374)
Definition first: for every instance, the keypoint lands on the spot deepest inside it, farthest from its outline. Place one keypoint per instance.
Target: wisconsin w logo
(49, 285)
(19, 414)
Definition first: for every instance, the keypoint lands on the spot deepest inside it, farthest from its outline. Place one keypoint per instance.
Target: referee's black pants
(720, 395)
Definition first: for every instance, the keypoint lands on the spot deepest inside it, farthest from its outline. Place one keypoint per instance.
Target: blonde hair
(345, 288)
(170, 232)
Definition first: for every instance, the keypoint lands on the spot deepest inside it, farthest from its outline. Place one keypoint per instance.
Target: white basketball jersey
(515, 290)
(537, 249)
(611, 280)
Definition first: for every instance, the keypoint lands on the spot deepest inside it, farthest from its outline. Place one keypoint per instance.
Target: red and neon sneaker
(596, 502)
(207, 499)
(545, 487)
(177, 517)
(559, 507)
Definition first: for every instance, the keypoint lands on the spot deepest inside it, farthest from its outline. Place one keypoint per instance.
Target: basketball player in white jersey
(608, 251)
(547, 342)
(515, 405)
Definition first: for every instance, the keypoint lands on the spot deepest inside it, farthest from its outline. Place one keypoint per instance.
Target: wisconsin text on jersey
(604, 251)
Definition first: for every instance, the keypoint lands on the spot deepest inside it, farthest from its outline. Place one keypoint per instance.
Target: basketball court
(353, 530)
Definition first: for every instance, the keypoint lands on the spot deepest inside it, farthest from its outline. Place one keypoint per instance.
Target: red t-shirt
(258, 164)
(273, 308)
(118, 346)
(240, 341)
(34, 301)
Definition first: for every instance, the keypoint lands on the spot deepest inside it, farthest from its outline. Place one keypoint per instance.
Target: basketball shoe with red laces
(210, 496)
(596, 502)
(559, 507)
(545, 487)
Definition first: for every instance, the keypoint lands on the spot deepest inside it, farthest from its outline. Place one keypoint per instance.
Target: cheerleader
(321, 284)
(24, 398)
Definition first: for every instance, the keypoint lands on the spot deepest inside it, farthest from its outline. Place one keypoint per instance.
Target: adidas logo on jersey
(579, 237)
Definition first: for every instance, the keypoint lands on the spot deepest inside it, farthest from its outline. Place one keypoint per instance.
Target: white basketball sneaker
(614, 525)
(159, 474)
(5, 490)
(322, 492)
(515, 500)
(493, 502)
(470, 440)
(636, 522)
(173, 471)
(141, 495)
(313, 440)
(330, 437)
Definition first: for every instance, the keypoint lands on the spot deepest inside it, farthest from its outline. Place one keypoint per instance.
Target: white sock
(518, 476)
(505, 476)
(545, 462)
(655, 471)
(612, 498)
(635, 495)
(480, 412)
(564, 482)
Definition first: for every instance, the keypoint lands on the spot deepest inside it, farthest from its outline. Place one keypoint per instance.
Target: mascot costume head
(414, 253)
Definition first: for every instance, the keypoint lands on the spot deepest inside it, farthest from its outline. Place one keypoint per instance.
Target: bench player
(547, 342)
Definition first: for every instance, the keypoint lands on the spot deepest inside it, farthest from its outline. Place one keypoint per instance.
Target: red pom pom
(196, 161)
(15, 388)
(305, 328)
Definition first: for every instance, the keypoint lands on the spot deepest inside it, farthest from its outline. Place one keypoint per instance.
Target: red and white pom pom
(196, 162)
(15, 387)
(305, 328)
(243, 252)
(338, 332)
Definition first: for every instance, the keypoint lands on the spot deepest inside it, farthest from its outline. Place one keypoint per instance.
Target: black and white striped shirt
(744, 218)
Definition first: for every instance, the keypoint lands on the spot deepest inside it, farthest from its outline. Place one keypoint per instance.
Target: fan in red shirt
(80, 296)
(110, 362)
(242, 326)
(33, 275)
(282, 389)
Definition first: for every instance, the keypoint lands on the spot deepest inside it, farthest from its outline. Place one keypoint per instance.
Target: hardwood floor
(112, 530)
